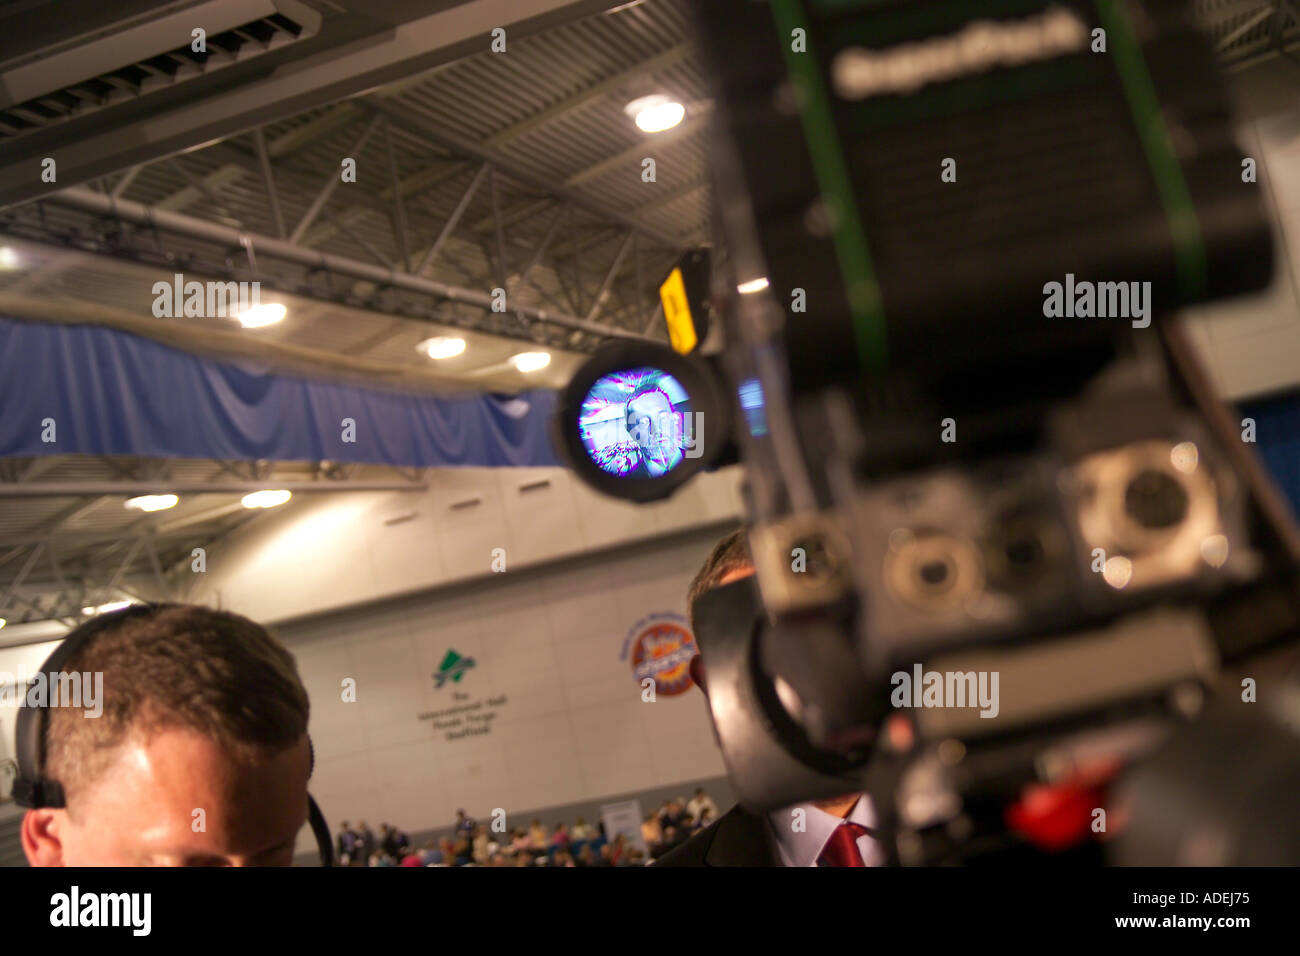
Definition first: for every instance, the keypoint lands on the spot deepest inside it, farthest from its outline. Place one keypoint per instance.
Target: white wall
(573, 727)
(325, 552)
(17, 664)
(547, 633)
(1251, 345)
(581, 570)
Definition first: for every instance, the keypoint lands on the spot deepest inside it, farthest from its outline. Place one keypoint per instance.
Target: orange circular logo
(662, 651)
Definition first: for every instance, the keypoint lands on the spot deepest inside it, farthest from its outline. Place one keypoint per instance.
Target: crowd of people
(583, 844)
(676, 822)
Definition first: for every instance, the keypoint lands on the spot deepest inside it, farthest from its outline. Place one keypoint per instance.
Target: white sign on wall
(624, 818)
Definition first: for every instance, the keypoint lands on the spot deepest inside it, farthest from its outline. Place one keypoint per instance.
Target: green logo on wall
(452, 668)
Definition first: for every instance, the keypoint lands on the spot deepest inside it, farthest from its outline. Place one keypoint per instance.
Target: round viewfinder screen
(636, 423)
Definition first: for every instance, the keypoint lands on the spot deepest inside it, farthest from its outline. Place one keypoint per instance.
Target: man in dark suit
(366, 837)
(348, 843)
(834, 832)
(738, 838)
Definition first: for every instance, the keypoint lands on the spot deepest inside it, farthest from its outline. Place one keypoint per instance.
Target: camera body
(1005, 534)
(1128, 501)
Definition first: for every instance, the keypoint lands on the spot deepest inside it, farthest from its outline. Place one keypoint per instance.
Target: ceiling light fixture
(152, 502)
(265, 499)
(531, 361)
(655, 113)
(268, 313)
(442, 347)
(106, 608)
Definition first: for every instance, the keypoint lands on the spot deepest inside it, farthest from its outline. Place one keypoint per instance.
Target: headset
(32, 789)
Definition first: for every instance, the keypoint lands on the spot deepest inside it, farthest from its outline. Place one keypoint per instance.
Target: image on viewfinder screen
(633, 422)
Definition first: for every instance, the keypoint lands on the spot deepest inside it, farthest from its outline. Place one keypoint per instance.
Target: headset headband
(31, 788)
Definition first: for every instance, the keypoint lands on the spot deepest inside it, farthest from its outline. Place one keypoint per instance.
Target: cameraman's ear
(40, 838)
(697, 673)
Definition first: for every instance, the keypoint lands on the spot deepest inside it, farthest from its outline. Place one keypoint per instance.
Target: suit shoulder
(690, 853)
(737, 838)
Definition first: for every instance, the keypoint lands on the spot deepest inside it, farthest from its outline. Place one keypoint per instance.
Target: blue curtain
(111, 393)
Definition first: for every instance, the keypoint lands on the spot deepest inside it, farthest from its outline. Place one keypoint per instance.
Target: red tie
(842, 848)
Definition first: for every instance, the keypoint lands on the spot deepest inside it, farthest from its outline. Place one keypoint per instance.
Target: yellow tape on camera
(677, 313)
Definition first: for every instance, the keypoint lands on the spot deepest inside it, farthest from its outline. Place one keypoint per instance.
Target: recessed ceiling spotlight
(531, 361)
(656, 113)
(442, 347)
(105, 608)
(152, 502)
(265, 499)
(268, 313)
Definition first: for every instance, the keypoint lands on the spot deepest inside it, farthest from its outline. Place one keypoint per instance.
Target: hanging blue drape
(111, 393)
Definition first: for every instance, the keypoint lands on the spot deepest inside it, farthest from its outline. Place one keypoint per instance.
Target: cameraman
(834, 832)
(200, 757)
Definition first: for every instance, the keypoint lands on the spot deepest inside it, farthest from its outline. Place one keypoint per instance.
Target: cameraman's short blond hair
(728, 555)
(181, 666)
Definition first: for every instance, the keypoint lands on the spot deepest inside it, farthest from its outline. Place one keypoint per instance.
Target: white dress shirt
(802, 848)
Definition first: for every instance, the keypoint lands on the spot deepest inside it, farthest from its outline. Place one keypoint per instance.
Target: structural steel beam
(402, 117)
(450, 225)
(65, 489)
(268, 181)
(353, 53)
(332, 181)
(91, 201)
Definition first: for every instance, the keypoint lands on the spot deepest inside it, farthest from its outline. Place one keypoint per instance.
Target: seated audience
(560, 837)
(349, 843)
(538, 834)
(431, 854)
(700, 803)
(580, 845)
(480, 844)
(651, 831)
(464, 825)
(521, 841)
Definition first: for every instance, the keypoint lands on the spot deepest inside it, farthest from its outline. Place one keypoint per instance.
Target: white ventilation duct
(141, 55)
